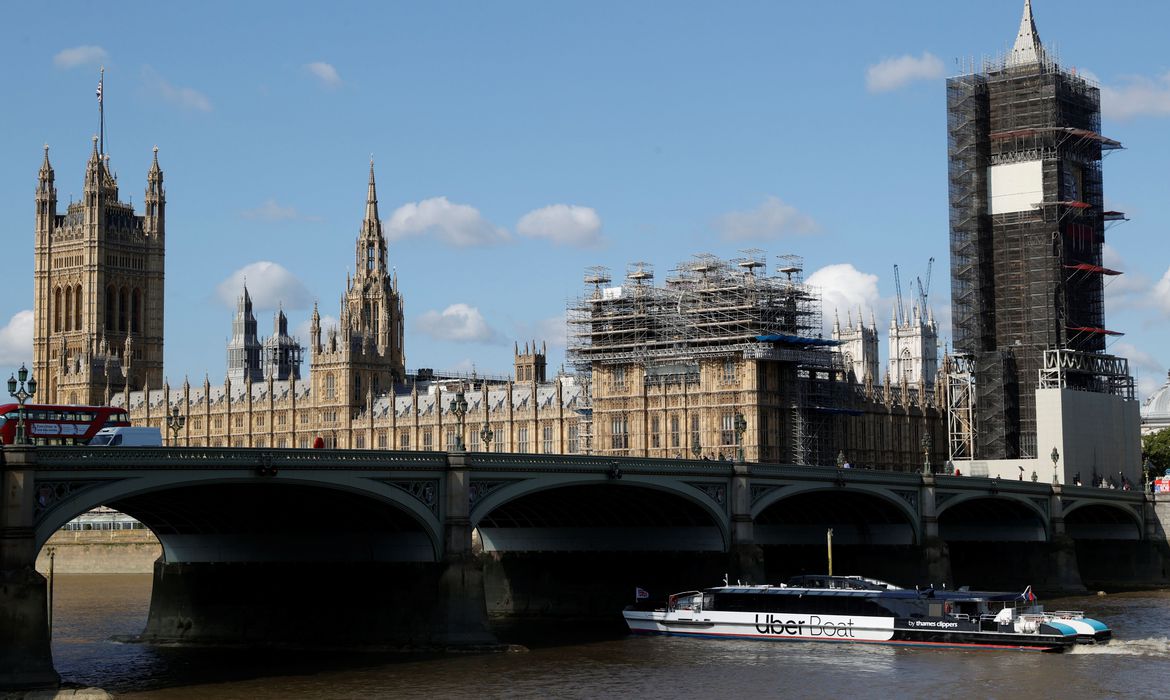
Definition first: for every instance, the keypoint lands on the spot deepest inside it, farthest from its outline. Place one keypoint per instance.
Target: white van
(126, 436)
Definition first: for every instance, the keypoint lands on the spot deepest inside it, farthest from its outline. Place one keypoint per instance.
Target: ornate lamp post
(22, 390)
(485, 434)
(175, 421)
(841, 459)
(458, 408)
(927, 444)
(1055, 457)
(740, 428)
(696, 450)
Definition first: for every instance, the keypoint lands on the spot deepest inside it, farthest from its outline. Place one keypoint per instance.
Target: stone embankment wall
(101, 552)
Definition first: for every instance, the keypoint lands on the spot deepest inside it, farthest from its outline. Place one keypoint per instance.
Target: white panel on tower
(1015, 186)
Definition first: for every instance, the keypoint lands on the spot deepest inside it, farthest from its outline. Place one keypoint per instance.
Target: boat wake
(1151, 646)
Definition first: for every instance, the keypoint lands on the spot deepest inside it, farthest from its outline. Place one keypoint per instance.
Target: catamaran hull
(814, 628)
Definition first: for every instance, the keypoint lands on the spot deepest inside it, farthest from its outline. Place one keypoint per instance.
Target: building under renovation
(725, 355)
(1027, 227)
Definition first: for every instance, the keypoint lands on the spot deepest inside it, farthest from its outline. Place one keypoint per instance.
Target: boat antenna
(725, 580)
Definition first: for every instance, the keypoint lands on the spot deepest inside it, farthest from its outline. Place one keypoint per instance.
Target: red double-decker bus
(58, 425)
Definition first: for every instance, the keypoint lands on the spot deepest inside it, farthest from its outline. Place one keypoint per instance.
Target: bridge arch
(1000, 517)
(1085, 520)
(166, 502)
(858, 515)
(614, 510)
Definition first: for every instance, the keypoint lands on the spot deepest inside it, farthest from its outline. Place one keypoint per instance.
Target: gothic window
(68, 308)
(404, 441)
(674, 435)
(369, 257)
(123, 302)
(696, 443)
(77, 308)
(426, 440)
(330, 389)
(522, 440)
(357, 386)
(547, 440)
(450, 439)
(359, 442)
(574, 439)
(259, 421)
(57, 310)
(727, 429)
(729, 371)
(655, 431)
(136, 312)
(111, 307)
(907, 366)
(498, 441)
(239, 420)
(382, 444)
(619, 433)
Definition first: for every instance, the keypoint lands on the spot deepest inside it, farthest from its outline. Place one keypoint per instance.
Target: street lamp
(175, 422)
(22, 390)
(696, 449)
(1055, 457)
(740, 428)
(841, 459)
(458, 408)
(485, 434)
(927, 443)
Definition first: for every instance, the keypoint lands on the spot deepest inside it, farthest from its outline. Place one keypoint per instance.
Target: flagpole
(102, 112)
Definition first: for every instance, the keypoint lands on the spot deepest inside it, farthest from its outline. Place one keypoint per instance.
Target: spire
(372, 196)
(1027, 49)
(46, 173)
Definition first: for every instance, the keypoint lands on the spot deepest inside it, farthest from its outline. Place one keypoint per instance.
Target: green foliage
(1156, 447)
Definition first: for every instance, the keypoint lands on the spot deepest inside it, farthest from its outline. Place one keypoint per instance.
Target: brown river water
(90, 609)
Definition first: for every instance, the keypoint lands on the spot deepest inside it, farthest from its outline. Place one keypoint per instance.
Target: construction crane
(924, 290)
(899, 311)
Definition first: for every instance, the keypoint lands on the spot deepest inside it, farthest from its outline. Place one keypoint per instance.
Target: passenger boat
(857, 609)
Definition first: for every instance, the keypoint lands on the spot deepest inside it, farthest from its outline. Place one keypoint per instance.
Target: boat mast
(829, 539)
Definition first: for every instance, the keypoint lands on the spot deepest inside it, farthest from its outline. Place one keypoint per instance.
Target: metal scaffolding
(1025, 278)
(713, 308)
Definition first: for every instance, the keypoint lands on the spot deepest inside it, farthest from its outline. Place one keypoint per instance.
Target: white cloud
(80, 56)
(325, 73)
(1148, 371)
(772, 219)
(16, 339)
(1160, 296)
(844, 289)
(184, 97)
(269, 284)
(1126, 291)
(457, 322)
(895, 73)
(271, 210)
(563, 224)
(456, 225)
(1137, 96)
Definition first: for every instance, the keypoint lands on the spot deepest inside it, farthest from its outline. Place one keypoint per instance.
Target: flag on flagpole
(99, 90)
(1028, 594)
(641, 593)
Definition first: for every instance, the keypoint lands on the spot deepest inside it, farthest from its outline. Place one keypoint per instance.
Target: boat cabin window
(799, 603)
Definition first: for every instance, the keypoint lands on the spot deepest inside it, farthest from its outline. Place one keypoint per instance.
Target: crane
(899, 312)
(924, 289)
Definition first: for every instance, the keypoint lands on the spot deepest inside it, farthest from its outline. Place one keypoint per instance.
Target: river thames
(89, 610)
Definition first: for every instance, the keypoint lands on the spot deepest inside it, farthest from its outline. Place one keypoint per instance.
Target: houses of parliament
(656, 377)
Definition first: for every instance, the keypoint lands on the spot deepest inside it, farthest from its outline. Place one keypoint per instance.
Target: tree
(1156, 447)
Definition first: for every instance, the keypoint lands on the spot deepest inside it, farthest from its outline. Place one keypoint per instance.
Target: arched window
(69, 308)
(123, 302)
(111, 307)
(77, 308)
(136, 311)
(57, 310)
(369, 257)
(330, 390)
(357, 385)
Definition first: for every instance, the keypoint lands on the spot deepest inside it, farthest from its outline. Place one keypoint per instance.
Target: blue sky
(518, 143)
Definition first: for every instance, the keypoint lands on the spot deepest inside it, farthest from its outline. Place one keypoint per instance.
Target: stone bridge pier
(25, 657)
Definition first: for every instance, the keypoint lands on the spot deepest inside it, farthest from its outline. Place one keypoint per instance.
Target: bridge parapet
(82, 458)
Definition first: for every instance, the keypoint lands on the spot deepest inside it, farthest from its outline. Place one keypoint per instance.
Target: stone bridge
(362, 546)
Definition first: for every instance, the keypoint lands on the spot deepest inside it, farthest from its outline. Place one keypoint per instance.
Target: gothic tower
(913, 346)
(243, 352)
(98, 287)
(858, 348)
(282, 352)
(531, 365)
(1027, 229)
(363, 356)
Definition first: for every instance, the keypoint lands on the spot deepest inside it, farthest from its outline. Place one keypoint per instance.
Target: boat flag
(641, 593)
(1028, 594)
